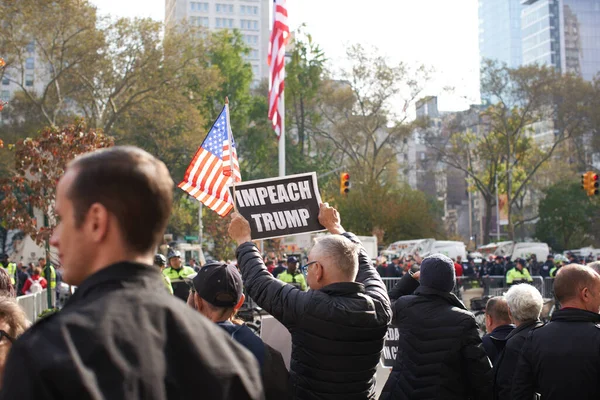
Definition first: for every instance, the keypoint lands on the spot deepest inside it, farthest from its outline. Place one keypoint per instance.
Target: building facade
(500, 31)
(564, 34)
(250, 17)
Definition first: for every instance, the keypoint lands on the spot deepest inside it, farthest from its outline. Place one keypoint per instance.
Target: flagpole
(282, 136)
(230, 138)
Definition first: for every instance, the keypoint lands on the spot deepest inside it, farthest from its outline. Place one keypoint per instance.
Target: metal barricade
(548, 292)
(390, 283)
(33, 304)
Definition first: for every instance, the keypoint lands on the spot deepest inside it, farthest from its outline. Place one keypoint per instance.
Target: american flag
(215, 163)
(279, 38)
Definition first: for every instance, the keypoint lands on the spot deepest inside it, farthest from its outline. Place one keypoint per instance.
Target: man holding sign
(338, 326)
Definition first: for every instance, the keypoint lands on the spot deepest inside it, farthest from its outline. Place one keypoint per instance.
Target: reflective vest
(177, 275)
(297, 279)
(167, 282)
(516, 275)
(11, 268)
(52, 275)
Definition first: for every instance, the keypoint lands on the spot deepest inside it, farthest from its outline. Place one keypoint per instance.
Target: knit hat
(437, 272)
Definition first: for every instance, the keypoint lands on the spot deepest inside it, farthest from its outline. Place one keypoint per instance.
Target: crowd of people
(126, 333)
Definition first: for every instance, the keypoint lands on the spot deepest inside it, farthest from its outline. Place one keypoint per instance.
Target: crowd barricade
(33, 304)
(548, 292)
(390, 283)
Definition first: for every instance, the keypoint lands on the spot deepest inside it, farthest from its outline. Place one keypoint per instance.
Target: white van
(449, 248)
(526, 249)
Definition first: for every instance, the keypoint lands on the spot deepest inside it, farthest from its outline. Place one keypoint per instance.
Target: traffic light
(344, 183)
(590, 184)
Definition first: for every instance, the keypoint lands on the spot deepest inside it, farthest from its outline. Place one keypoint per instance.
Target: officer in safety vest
(176, 272)
(292, 276)
(44, 266)
(518, 274)
(160, 261)
(11, 268)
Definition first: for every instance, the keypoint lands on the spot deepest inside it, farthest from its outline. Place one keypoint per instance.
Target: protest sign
(390, 347)
(280, 206)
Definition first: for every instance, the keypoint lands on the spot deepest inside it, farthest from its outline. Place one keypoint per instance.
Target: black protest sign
(390, 347)
(280, 206)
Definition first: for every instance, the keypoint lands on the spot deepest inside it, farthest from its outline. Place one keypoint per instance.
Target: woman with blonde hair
(13, 323)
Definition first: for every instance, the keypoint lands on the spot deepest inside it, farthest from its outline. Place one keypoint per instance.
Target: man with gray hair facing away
(338, 326)
(524, 307)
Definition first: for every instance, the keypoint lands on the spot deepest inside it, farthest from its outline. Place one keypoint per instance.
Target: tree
(61, 44)
(567, 217)
(40, 162)
(535, 111)
(392, 215)
(359, 117)
(217, 230)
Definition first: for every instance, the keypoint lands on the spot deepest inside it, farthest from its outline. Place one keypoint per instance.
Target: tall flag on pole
(276, 60)
(214, 167)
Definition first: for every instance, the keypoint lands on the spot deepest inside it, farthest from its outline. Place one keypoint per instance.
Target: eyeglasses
(304, 268)
(3, 334)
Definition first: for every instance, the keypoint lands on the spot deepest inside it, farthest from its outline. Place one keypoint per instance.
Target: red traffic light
(346, 176)
(595, 177)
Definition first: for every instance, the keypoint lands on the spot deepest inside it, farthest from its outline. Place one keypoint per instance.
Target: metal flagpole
(497, 211)
(282, 135)
(230, 137)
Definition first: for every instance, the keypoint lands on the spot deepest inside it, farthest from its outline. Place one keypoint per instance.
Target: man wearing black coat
(524, 306)
(338, 326)
(561, 360)
(547, 266)
(440, 355)
(122, 336)
(498, 325)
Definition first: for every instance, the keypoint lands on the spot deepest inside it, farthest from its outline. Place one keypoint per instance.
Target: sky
(440, 34)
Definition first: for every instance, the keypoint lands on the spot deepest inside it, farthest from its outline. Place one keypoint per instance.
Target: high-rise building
(251, 17)
(500, 31)
(564, 34)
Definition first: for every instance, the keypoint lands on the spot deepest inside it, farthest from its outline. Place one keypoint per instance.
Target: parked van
(450, 248)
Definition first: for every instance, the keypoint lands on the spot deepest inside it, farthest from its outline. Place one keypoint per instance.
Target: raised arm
(282, 301)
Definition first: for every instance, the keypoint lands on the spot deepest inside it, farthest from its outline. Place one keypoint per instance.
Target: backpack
(36, 286)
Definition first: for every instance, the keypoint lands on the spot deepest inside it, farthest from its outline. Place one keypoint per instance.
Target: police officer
(160, 261)
(518, 274)
(52, 275)
(292, 276)
(547, 266)
(11, 268)
(176, 272)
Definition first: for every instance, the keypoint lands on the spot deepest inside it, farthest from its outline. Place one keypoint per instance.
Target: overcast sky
(438, 33)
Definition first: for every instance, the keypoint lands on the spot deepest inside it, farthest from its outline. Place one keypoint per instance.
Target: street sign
(191, 238)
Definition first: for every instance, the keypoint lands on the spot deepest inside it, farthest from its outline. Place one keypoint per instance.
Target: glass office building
(500, 31)
(562, 33)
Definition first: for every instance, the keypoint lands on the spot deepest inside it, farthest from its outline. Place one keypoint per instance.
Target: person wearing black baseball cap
(216, 291)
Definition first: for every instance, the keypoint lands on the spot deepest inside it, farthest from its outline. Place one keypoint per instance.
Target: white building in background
(251, 17)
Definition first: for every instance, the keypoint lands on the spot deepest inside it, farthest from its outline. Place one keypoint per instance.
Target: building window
(249, 25)
(224, 23)
(251, 39)
(6, 80)
(199, 21)
(224, 8)
(255, 69)
(29, 63)
(28, 79)
(248, 10)
(30, 47)
(199, 7)
(5, 96)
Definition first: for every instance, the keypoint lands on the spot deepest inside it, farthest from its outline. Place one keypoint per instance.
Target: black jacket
(440, 355)
(504, 368)
(494, 342)
(337, 331)
(561, 360)
(546, 267)
(122, 336)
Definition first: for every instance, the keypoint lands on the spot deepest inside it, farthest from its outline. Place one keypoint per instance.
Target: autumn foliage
(39, 163)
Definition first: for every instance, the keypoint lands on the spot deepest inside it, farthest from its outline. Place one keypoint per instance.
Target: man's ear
(319, 272)
(97, 221)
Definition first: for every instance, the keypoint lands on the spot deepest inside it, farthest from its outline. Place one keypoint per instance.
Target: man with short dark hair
(121, 335)
(498, 325)
(337, 327)
(561, 360)
(547, 266)
(280, 268)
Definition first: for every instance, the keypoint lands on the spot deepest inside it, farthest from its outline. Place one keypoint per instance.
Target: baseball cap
(218, 283)
(292, 259)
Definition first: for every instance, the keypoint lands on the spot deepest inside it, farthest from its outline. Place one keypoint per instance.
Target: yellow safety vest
(516, 275)
(11, 268)
(52, 275)
(297, 278)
